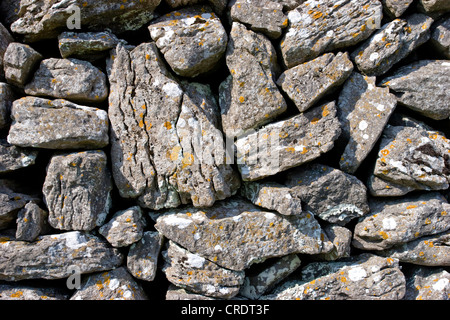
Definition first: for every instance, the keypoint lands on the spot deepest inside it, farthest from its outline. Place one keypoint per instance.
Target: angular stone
(364, 110)
(5, 40)
(13, 158)
(19, 62)
(196, 274)
(157, 127)
(414, 157)
(316, 27)
(45, 20)
(192, 40)
(31, 222)
(395, 8)
(57, 124)
(116, 284)
(307, 83)
(265, 16)
(272, 196)
(383, 188)
(249, 97)
(433, 6)
(286, 144)
(397, 221)
(341, 238)
(56, 256)
(329, 193)
(428, 284)
(176, 293)
(142, 259)
(10, 203)
(70, 79)
(426, 251)
(363, 277)
(125, 227)
(23, 292)
(396, 40)
(289, 4)
(6, 100)
(440, 36)
(235, 234)
(86, 45)
(423, 86)
(258, 282)
(77, 190)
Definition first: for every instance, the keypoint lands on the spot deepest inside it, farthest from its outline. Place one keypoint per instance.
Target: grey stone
(6, 100)
(249, 97)
(56, 256)
(38, 20)
(395, 8)
(198, 275)
(433, 6)
(307, 83)
(316, 27)
(142, 259)
(235, 234)
(13, 158)
(423, 86)
(428, 284)
(396, 40)
(289, 4)
(31, 222)
(116, 284)
(57, 124)
(384, 188)
(125, 227)
(24, 292)
(5, 40)
(19, 63)
(396, 221)
(70, 79)
(86, 45)
(341, 238)
(364, 110)
(157, 126)
(440, 36)
(192, 40)
(77, 190)
(10, 203)
(176, 293)
(329, 193)
(181, 3)
(289, 143)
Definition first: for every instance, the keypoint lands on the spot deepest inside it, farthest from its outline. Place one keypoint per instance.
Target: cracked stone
(341, 238)
(13, 158)
(10, 203)
(19, 63)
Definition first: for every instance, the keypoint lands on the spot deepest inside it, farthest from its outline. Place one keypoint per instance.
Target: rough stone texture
(6, 99)
(249, 97)
(152, 148)
(31, 222)
(39, 20)
(286, 144)
(77, 190)
(272, 196)
(71, 79)
(364, 110)
(10, 203)
(142, 259)
(316, 27)
(307, 83)
(116, 284)
(265, 16)
(341, 238)
(198, 275)
(236, 234)
(176, 293)
(433, 6)
(363, 277)
(391, 44)
(440, 36)
(86, 45)
(19, 61)
(192, 40)
(258, 282)
(329, 193)
(428, 284)
(52, 256)
(5, 40)
(57, 124)
(23, 292)
(423, 86)
(13, 158)
(125, 227)
(383, 188)
(395, 8)
(397, 221)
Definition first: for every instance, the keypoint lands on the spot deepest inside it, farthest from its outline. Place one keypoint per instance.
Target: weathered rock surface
(341, 238)
(423, 86)
(286, 144)
(249, 98)
(329, 193)
(23, 292)
(19, 61)
(71, 79)
(236, 234)
(86, 45)
(31, 222)
(433, 6)
(13, 158)
(398, 221)
(307, 83)
(384, 188)
(440, 36)
(57, 124)
(156, 129)
(10, 203)
(395, 8)
(6, 99)
(363, 277)
(55, 256)
(198, 275)
(5, 40)
(428, 284)
(316, 27)
(364, 110)
(176, 293)
(77, 190)
(116, 284)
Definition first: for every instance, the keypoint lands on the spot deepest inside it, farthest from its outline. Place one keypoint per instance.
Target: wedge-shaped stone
(20, 60)
(86, 45)
(341, 238)
(397, 221)
(427, 284)
(56, 256)
(235, 234)
(13, 158)
(31, 222)
(11, 201)
(440, 36)
(395, 8)
(384, 188)
(142, 259)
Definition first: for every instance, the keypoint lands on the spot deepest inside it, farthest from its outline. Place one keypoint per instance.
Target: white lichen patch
(357, 273)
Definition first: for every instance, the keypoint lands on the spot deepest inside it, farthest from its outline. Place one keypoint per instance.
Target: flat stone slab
(384, 188)
(86, 45)
(24, 292)
(142, 259)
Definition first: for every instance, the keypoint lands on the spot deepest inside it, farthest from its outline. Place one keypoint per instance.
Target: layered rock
(23, 292)
(11, 201)
(20, 61)
(86, 45)
(395, 8)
